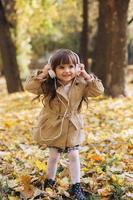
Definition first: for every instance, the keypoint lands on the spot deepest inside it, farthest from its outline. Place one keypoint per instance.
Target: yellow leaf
(99, 170)
(13, 198)
(40, 165)
(114, 178)
(28, 189)
(85, 169)
(117, 179)
(104, 191)
(7, 124)
(28, 192)
(51, 192)
(64, 182)
(25, 180)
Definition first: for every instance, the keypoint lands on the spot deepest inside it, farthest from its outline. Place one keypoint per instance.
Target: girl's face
(65, 72)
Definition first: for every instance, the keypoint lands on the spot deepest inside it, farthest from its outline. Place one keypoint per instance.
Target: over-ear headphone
(52, 73)
(78, 63)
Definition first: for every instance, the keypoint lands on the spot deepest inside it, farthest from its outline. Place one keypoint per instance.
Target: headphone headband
(49, 60)
(76, 55)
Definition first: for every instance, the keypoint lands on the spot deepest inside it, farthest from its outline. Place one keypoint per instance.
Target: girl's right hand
(44, 72)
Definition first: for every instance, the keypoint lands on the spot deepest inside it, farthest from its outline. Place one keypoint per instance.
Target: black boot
(77, 192)
(49, 183)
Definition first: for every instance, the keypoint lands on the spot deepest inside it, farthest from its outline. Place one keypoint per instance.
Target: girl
(64, 84)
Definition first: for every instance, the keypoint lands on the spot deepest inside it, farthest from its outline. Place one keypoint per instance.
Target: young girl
(64, 84)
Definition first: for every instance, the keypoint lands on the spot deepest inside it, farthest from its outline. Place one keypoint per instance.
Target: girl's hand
(44, 72)
(84, 74)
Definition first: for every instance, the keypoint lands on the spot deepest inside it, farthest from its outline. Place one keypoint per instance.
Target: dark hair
(61, 56)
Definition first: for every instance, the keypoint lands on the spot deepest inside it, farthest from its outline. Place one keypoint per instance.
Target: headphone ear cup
(51, 73)
(77, 69)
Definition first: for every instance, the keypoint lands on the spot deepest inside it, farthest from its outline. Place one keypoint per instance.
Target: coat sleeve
(33, 84)
(94, 88)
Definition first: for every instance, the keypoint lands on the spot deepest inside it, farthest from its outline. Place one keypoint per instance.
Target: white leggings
(74, 164)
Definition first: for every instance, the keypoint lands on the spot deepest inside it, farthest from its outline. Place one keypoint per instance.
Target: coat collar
(60, 89)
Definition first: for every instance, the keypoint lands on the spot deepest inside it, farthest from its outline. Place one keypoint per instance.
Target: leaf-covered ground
(106, 156)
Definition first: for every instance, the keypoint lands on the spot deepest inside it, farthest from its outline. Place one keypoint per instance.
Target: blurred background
(99, 31)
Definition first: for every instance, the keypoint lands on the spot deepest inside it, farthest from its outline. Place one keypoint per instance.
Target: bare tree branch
(130, 21)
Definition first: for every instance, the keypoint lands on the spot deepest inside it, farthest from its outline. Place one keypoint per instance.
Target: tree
(8, 54)
(84, 34)
(110, 54)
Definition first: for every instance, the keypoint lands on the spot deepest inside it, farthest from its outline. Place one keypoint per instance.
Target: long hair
(61, 56)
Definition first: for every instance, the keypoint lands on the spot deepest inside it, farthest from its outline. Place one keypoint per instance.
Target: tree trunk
(8, 53)
(110, 55)
(84, 35)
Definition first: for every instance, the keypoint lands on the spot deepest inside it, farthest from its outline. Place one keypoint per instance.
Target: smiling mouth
(66, 76)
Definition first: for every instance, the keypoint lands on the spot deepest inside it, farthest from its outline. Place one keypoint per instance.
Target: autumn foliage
(106, 156)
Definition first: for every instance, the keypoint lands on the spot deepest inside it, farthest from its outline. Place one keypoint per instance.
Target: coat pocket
(36, 130)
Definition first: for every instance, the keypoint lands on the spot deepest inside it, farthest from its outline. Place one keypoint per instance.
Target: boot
(49, 183)
(77, 192)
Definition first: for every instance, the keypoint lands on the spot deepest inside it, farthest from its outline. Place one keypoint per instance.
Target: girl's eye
(61, 67)
(71, 66)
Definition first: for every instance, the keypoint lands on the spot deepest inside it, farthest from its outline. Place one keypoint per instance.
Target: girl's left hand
(84, 74)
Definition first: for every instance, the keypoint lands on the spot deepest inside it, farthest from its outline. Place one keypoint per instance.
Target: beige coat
(61, 125)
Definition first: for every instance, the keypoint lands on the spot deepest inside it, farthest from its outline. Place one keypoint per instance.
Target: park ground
(106, 155)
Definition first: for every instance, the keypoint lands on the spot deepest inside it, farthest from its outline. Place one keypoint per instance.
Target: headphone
(52, 73)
